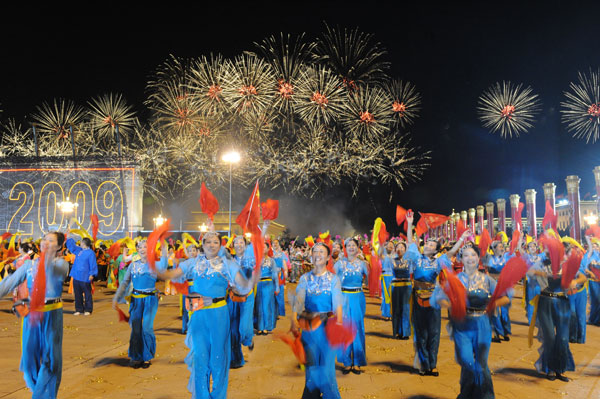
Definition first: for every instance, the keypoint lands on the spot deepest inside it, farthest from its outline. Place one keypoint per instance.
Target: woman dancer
(266, 290)
(209, 329)
(532, 288)
(351, 272)
(387, 264)
(282, 262)
(553, 314)
(401, 290)
(473, 335)
(591, 263)
(42, 330)
(318, 294)
(143, 305)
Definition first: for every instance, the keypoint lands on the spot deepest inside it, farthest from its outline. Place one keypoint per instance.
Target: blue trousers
(246, 320)
(594, 302)
(185, 316)
(553, 320)
(266, 315)
(41, 354)
(385, 305)
(81, 290)
(472, 340)
(354, 309)
(142, 343)
(210, 351)
(577, 322)
(427, 323)
(401, 310)
(280, 301)
(237, 356)
(320, 366)
(501, 321)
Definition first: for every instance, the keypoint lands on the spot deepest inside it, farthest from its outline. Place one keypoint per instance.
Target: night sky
(451, 53)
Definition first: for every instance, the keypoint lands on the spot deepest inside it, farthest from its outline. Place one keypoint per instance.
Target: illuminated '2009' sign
(106, 201)
(30, 199)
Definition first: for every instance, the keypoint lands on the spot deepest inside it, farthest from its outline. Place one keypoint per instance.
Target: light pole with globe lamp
(231, 157)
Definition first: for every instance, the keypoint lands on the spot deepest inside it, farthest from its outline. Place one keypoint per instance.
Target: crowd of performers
(226, 299)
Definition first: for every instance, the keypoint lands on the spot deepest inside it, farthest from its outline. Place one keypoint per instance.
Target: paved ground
(95, 362)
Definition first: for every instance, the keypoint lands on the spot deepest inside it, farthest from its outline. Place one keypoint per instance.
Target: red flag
(400, 215)
(518, 221)
(383, 234)
(484, 242)
(122, 316)
(248, 220)
(95, 226)
(434, 220)
(556, 251)
(208, 202)
(115, 250)
(514, 270)
(38, 293)
(550, 217)
(270, 209)
(158, 235)
(514, 241)
(570, 268)
(421, 227)
(455, 290)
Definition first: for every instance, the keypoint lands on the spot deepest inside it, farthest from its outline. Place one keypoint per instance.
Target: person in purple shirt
(83, 272)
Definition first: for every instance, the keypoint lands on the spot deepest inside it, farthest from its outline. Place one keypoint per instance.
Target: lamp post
(158, 221)
(67, 207)
(231, 157)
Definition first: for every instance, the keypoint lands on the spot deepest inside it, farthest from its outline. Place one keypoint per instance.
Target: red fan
(518, 221)
(556, 251)
(461, 227)
(158, 235)
(182, 288)
(295, 344)
(484, 242)
(514, 270)
(208, 202)
(570, 268)
(514, 241)
(115, 250)
(455, 290)
(340, 334)
(38, 293)
(383, 234)
(400, 215)
(180, 254)
(550, 217)
(95, 225)
(122, 316)
(5, 236)
(270, 209)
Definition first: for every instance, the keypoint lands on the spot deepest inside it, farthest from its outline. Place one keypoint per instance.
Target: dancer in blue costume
(266, 290)
(282, 261)
(41, 340)
(553, 314)
(387, 264)
(209, 329)
(578, 298)
(426, 320)
(318, 295)
(401, 290)
(495, 263)
(591, 262)
(143, 305)
(191, 253)
(351, 272)
(473, 335)
(241, 306)
(532, 256)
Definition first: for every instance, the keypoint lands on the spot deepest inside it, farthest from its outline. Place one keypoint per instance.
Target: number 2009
(106, 202)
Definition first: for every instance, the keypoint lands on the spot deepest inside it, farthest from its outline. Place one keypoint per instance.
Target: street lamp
(158, 221)
(203, 228)
(231, 157)
(591, 219)
(67, 207)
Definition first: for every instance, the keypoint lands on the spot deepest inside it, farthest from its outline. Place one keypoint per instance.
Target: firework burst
(508, 108)
(320, 97)
(367, 112)
(54, 123)
(406, 101)
(207, 81)
(176, 111)
(250, 85)
(288, 55)
(353, 55)
(108, 112)
(581, 110)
